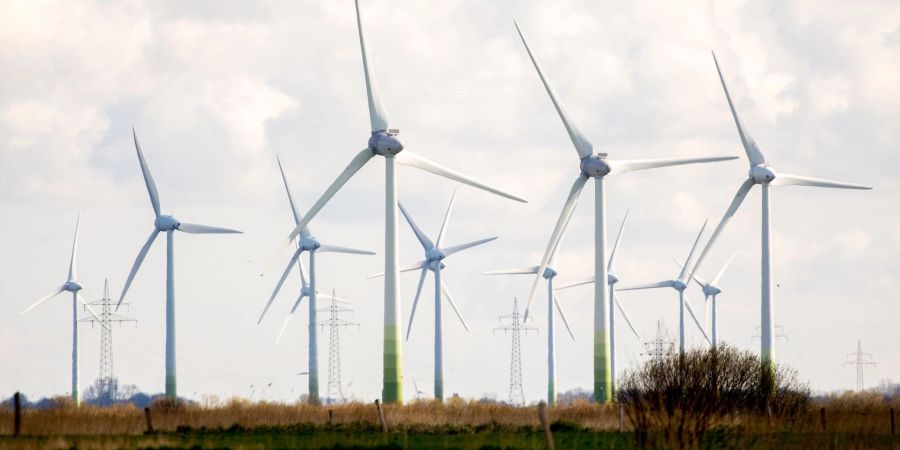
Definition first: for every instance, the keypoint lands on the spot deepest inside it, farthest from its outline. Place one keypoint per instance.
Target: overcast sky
(215, 89)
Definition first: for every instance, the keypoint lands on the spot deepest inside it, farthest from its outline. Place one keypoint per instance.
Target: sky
(215, 89)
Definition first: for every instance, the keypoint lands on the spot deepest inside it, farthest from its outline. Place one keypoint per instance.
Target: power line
(516, 326)
(861, 360)
(106, 381)
(334, 323)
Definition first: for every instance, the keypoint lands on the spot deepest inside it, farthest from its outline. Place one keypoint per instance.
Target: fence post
(621, 418)
(542, 414)
(822, 418)
(149, 421)
(893, 423)
(381, 416)
(17, 417)
(330, 417)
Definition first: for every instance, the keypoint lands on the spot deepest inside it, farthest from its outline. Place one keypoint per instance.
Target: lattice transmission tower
(661, 346)
(516, 327)
(335, 392)
(861, 360)
(106, 381)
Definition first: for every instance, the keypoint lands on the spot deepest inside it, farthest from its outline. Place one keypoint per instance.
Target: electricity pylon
(335, 393)
(106, 380)
(516, 327)
(860, 359)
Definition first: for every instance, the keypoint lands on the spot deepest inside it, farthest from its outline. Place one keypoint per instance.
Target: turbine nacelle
(595, 166)
(611, 279)
(679, 285)
(72, 286)
(434, 254)
(436, 265)
(762, 174)
(309, 244)
(385, 143)
(166, 223)
(549, 273)
(710, 290)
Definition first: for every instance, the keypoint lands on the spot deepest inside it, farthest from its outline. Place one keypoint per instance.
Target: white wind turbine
(167, 224)
(384, 142)
(306, 243)
(679, 284)
(763, 174)
(594, 166)
(711, 290)
(435, 254)
(552, 299)
(71, 285)
(611, 280)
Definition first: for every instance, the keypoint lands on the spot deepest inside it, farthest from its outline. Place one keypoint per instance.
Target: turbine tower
(71, 285)
(763, 174)
(106, 381)
(598, 167)
(435, 253)
(548, 274)
(167, 224)
(611, 280)
(306, 242)
(334, 323)
(384, 141)
(861, 360)
(679, 284)
(516, 327)
(711, 291)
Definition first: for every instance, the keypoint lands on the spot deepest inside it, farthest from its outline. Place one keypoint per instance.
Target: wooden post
(330, 417)
(381, 416)
(893, 423)
(149, 421)
(17, 414)
(621, 418)
(822, 418)
(542, 414)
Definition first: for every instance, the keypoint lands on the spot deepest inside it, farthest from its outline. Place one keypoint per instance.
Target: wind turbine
(711, 290)
(385, 142)
(435, 253)
(306, 243)
(763, 174)
(71, 285)
(611, 280)
(598, 167)
(548, 274)
(167, 224)
(679, 284)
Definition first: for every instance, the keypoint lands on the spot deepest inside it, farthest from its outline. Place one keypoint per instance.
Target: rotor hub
(309, 244)
(549, 272)
(385, 143)
(166, 223)
(435, 254)
(679, 285)
(595, 166)
(762, 174)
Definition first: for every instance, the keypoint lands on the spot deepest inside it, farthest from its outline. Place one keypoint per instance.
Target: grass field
(852, 421)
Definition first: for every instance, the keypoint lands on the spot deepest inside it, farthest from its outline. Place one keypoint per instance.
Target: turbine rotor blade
(700, 282)
(715, 281)
(612, 254)
(658, 284)
(577, 283)
(522, 271)
(422, 237)
(453, 305)
(356, 163)
(625, 315)
(408, 158)
(561, 223)
(338, 249)
(193, 228)
(294, 211)
(735, 204)
(581, 143)
(684, 269)
(288, 318)
(412, 314)
(73, 262)
(786, 179)
(458, 248)
(284, 275)
(42, 300)
(562, 315)
(332, 297)
(443, 233)
(378, 116)
(753, 153)
(91, 311)
(687, 304)
(414, 266)
(148, 178)
(631, 165)
(137, 265)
